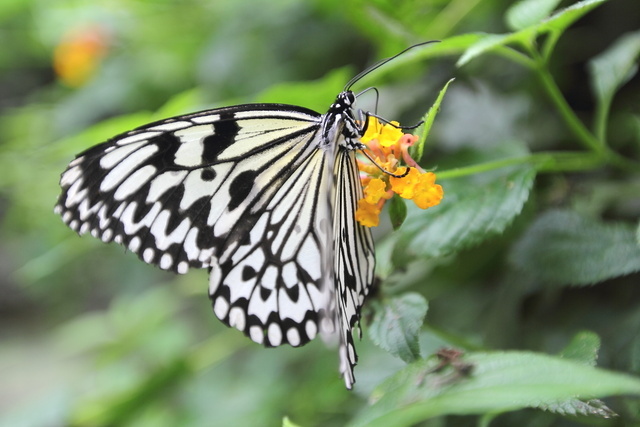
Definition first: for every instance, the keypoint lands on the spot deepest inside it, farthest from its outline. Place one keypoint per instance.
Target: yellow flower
(78, 55)
(427, 192)
(388, 146)
(375, 190)
(405, 186)
(386, 135)
(367, 214)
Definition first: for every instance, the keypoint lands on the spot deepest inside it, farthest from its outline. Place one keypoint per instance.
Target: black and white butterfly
(263, 195)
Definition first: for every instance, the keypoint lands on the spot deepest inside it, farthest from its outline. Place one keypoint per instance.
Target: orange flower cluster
(79, 54)
(388, 146)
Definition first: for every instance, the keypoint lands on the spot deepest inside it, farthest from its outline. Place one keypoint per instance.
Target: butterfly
(263, 195)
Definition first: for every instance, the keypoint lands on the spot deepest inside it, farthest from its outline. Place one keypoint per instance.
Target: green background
(534, 248)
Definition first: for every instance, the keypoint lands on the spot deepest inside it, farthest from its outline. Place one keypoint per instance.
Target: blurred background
(89, 335)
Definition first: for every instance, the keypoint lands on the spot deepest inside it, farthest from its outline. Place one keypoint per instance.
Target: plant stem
(574, 124)
(542, 162)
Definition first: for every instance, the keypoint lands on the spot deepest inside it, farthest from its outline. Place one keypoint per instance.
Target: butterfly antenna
(380, 63)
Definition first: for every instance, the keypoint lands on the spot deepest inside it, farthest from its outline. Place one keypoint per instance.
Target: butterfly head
(344, 102)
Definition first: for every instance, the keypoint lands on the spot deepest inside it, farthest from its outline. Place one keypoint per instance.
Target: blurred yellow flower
(78, 55)
(388, 146)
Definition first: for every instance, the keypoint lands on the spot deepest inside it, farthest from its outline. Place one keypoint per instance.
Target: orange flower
(427, 192)
(367, 214)
(375, 190)
(388, 146)
(78, 55)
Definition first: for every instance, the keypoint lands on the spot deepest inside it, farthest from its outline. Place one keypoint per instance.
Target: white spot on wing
(164, 182)
(70, 176)
(262, 309)
(256, 334)
(189, 153)
(126, 166)
(191, 245)
(293, 337)
(311, 329)
(195, 188)
(75, 194)
(214, 278)
(137, 137)
(134, 182)
(210, 118)
(293, 310)
(170, 126)
(159, 230)
(148, 254)
(183, 267)
(309, 256)
(221, 308)
(117, 154)
(275, 334)
(237, 318)
(166, 261)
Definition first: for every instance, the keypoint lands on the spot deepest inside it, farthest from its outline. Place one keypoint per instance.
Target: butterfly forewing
(176, 191)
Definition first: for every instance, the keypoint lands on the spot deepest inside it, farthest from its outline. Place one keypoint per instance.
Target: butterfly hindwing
(271, 284)
(354, 259)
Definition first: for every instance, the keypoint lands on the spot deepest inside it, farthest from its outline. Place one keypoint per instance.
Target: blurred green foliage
(535, 247)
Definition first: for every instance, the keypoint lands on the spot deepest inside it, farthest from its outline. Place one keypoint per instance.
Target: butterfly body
(264, 195)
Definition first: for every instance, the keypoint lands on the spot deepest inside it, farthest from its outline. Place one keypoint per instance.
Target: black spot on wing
(248, 273)
(208, 174)
(240, 188)
(293, 292)
(224, 135)
(265, 293)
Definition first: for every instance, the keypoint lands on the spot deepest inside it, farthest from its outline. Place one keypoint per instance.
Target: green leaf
(526, 13)
(563, 18)
(578, 407)
(418, 149)
(564, 248)
(583, 348)
(470, 212)
(615, 66)
(498, 382)
(556, 24)
(610, 71)
(485, 44)
(286, 422)
(397, 323)
(397, 211)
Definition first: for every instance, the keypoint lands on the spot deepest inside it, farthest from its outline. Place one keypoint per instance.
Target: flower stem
(572, 121)
(543, 162)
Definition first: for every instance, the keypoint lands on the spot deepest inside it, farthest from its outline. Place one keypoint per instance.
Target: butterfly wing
(354, 258)
(174, 191)
(242, 190)
(271, 282)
